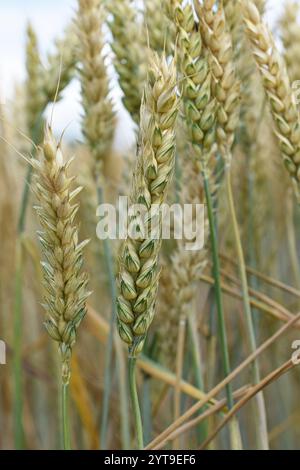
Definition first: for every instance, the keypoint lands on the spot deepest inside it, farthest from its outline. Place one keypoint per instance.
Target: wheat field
(153, 337)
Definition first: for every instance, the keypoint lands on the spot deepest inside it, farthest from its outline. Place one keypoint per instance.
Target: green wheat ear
(138, 267)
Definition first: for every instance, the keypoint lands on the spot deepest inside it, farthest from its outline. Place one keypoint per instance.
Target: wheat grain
(277, 88)
(139, 271)
(99, 117)
(65, 284)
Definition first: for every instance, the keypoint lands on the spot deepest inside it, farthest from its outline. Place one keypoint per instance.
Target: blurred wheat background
(220, 87)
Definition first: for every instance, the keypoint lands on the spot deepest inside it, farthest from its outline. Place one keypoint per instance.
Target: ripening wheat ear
(226, 87)
(34, 82)
(139, 271)
(65, 283)
(278, 90)
(196, 80)
(161, 31)
(290, 34)
(131, 53)
(99, 117)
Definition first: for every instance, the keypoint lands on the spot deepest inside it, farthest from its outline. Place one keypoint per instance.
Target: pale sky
(49, 17)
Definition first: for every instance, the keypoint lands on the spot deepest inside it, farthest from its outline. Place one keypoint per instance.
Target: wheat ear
(226, 87)
(34, 82)
(161, 31)
(130, 61)
(278, 90)
(198, 103)
(99, 117)
(290, 34)
(65, 284)
(138, 266)
(139, 271)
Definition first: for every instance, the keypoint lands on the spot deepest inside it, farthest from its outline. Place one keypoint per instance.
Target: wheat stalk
(277, 88)
(138, 263)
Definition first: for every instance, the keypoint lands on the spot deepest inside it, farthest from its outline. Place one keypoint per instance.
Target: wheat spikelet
(130, 53)
(60, 65)
(290, 34)
(65, 284)
(99, 118)
(226, 87)
(34, 82)
(139, 271)
(277, 88)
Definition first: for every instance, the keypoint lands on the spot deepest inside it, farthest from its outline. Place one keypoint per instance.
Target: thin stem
(292, 240)
(135, 402)
(65, 417)
(146, 408)
(24, 201)
(235, 439)
(18, 402)
(217, 287)
(109, 262)
(17, 363)
(123, 390)
(197, 367)
(260, 411)
(179, 370)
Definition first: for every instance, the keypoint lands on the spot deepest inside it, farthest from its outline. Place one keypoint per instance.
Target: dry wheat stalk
(65, 284)
(277, 88)
(139, 271)
(226, 87)
(99, 117)
(130, 52)
(199, 106)
(290, 34)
